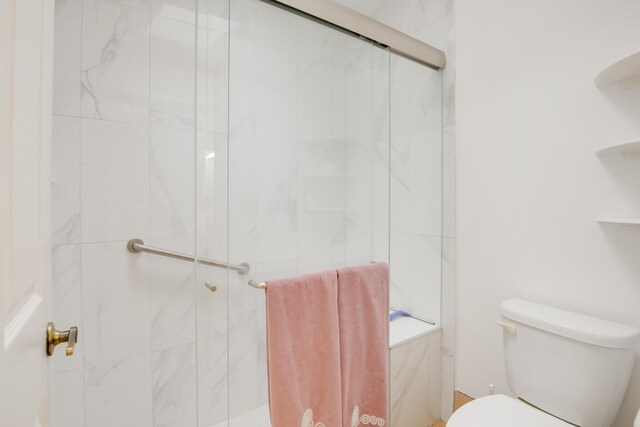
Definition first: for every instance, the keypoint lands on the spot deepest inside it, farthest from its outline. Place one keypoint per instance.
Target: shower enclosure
(232, 131)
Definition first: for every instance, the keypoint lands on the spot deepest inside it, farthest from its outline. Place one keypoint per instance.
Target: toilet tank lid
(580, 327)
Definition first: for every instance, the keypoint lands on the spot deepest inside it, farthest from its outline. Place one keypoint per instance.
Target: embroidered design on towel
(371, 420)
(307, 420)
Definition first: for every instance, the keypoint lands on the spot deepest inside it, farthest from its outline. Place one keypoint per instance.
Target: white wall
(529, 186)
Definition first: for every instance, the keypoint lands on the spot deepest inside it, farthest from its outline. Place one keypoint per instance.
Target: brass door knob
(55, 337)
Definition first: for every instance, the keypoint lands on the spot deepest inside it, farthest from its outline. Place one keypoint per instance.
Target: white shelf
(625, 72)
(631, 147)
(620, 221)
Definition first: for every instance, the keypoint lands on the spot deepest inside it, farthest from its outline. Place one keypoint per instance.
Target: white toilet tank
(573, 366)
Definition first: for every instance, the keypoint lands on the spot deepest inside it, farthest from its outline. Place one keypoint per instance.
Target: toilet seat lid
(502, 411)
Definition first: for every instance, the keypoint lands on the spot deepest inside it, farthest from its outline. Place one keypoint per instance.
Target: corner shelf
(630, 222)
(625, 72)
(632, 147)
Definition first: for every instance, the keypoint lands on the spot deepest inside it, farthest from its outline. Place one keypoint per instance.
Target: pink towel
(304, 351)
(363, 308)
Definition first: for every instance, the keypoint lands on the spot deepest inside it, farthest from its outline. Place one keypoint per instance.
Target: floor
(459, 400)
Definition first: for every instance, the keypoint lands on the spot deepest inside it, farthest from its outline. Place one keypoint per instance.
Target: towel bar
(137, 245)
(263, 285)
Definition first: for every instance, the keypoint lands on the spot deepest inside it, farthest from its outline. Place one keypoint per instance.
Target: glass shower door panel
(416, 188)
(124, 150)
(308, 170)
(212, 226)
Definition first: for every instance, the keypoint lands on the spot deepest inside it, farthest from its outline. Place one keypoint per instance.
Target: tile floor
(459, 400)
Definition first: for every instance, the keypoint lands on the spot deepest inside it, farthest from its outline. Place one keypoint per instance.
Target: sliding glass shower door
(305, 154)
(231, 131)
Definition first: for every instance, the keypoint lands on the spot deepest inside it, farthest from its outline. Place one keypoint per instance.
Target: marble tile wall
(415, 382)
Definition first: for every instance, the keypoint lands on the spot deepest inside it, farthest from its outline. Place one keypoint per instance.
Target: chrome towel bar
(263, 285)
(137, 245)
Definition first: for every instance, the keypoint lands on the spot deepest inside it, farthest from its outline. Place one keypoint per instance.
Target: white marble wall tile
(314, 251)
(119, 393)
(380, 199)
(212, 79)
(213, 14)
(321, 187)
(115, 302)
(212, 307)
(314, 112)
(400, 86)
(400, 270)
(275, 97)
(447, 389)
(338, 93)
(65, 176)
(172, 73)
(409, 377)
(178, 10)
(381, 94)
(172, 296)
(449, 88)
(401, 191)
(67, 57)
(114, 181)
(213, 391)
(395, 13)
(277, 254)
(67, 302)
(276, 185)
(423, 13)
(263, 375)
(211, 185)
(360, 189)
(243, 372)
(174, 387)
(426, 98)
(276, 28)
(359, 246)
(426, 183)
(242, 68)
(448, 296)
(244, 173)
(368, 7)
(359, 104)
(339, 247)
(426, 278)
(115, 61)
(435, 376)
(171, 182)
(381, 247)
(137, 4)
(439, 34)
(68, 399)
(242, 305)
(319, 44)
(449, 182)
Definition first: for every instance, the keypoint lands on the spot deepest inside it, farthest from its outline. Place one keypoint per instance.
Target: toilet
(565, 369)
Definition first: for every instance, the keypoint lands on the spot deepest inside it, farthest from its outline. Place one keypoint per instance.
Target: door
(26, 39)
